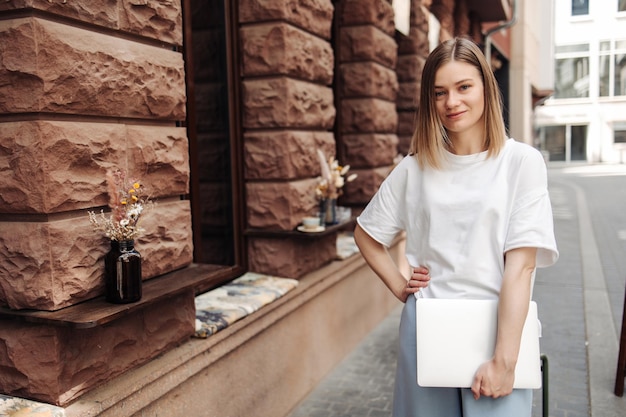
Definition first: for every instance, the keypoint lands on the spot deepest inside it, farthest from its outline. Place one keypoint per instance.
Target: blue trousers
(411, 400)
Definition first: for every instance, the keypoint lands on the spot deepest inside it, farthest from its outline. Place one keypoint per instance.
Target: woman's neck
(467, 143)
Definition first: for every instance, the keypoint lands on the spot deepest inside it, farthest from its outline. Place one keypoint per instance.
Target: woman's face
(460, 100)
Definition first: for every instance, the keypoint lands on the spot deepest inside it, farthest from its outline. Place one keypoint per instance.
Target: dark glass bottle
(328, 211)
(123, 272)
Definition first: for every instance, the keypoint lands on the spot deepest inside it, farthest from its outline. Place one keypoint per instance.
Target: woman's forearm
(513, 305)
(379, 259)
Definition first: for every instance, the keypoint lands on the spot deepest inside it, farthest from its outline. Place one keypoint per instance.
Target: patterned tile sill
(19, 407)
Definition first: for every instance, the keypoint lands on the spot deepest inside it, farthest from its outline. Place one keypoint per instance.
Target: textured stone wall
(76, 102)
(288, 113)
(87, 86)
(368, 119)
(77, 360)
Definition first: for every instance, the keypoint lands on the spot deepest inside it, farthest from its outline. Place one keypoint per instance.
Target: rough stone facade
(107, 90)
(368, 89)
(287, 69)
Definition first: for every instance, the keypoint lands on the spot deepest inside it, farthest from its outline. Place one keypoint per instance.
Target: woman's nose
(452, 100)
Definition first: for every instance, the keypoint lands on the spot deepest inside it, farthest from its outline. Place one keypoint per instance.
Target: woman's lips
(454, 115)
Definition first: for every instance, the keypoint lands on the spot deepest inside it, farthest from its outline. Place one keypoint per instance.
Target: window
(612, 68)
(212, 128)
(580, 7)
(564, 142)
(619, 132)
(572, 71)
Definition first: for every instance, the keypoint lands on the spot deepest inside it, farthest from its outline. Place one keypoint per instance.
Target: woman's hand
(419, 279)
(493, 379)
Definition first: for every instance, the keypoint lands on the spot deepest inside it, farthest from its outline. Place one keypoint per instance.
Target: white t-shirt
(460, 220)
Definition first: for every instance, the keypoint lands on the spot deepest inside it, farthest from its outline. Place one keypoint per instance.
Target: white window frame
(582, 53)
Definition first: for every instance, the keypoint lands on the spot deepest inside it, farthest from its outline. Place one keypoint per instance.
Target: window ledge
(98, 311)
(301, 235)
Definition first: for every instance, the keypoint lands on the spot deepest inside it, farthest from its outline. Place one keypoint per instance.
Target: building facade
(219, 107)
(585, 118)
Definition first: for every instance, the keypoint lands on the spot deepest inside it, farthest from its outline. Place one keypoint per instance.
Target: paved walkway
(580, 303)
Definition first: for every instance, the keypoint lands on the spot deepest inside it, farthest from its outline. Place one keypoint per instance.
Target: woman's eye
(465, 86)
(439, 93)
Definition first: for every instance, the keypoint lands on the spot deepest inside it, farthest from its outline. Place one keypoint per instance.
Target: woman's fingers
(419, 279)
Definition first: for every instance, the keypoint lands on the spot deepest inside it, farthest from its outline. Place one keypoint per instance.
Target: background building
(585, 118)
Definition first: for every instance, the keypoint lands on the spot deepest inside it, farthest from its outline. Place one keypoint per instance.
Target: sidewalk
(580, 329)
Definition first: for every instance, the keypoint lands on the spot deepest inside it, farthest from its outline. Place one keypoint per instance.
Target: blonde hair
(430, 136)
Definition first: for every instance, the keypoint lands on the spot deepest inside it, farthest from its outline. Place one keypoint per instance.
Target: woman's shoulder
(521, 152)
(406, 164)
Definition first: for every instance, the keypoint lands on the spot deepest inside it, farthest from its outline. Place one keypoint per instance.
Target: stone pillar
(444, 11)
(368, 89)
(288, 113)
(412, 53)
(86, 86)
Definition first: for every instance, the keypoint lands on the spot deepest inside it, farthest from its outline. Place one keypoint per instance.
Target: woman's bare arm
(495, 378)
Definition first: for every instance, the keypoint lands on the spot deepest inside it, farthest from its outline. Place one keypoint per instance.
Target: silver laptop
(454, 337)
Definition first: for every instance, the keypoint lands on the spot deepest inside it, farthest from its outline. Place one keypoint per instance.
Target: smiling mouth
(454, 115)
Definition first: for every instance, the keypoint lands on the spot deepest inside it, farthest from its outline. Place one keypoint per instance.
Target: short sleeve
(531, 223)
(384, 217)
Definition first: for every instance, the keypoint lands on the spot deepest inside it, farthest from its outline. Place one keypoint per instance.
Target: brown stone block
(362, 189)
(419, 15)
(291, 257)
(313, 15)
(409, 68)
(414, 44)
(378, 13)
(285, 154)
(153, 19)
(404, 144)
(48, 266)
(48, 167)
(369, 149)
(367, 43)
(280, 205)
(99, 12)
(52, 67)
(167, 241)
(408, 95)
(406, 122)
(58, 364)
(279, 48)
(284, 102)
(162, 20)
(159, 157)
(368, 79)
(368, 115)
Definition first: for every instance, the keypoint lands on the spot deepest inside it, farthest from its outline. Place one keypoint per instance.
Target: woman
(478, 221)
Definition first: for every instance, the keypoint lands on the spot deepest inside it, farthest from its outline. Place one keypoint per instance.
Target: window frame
(584, 7)
(572, 51)
(619, 127)
(223, 273)
(611, 54)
